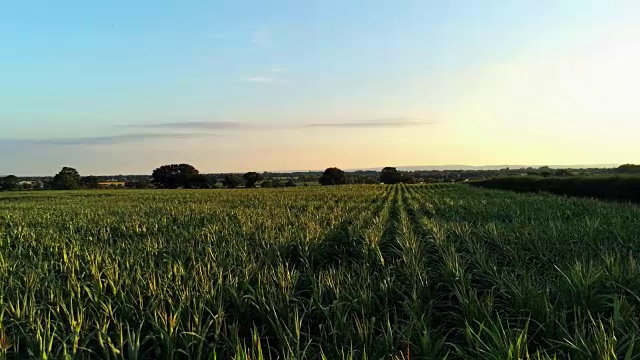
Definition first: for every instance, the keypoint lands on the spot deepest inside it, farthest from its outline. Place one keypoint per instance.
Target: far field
(346, 272)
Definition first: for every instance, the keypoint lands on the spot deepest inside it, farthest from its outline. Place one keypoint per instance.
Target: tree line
(185, 176)
(607, 187)
(175, 176)
(388, 175)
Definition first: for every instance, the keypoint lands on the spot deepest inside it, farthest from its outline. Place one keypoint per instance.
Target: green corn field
(345, 272)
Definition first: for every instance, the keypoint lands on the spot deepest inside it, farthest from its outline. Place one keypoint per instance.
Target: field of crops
(348, 272)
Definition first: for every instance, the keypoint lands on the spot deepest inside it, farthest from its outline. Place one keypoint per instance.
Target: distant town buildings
(111, 184)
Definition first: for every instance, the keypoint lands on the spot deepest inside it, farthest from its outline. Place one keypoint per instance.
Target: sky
(122, 87)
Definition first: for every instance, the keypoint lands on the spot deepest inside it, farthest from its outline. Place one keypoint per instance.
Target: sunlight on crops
(353, 272)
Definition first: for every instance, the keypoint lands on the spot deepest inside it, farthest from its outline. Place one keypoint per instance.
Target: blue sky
(122, 87)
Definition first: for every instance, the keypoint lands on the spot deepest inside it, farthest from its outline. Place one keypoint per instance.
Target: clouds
(261, 38)
(376, 123)
(273, 76)
(176, 131)
(241, 144)
(259, 79)
(399, 122)
(206, 125)
(100, 140)
(212, 125)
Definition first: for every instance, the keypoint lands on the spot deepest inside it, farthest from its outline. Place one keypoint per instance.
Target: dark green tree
(333, 176)
(232, 181)
(370, 180)
(390, 175)
(173, 176)
(628, 169)
(9, 182)
(137, 184)
(291, 183)
(407, 178)
(67, 179)
(89, 182)
(563, 172)
(251, 178)
(212, 181)
(198, 181)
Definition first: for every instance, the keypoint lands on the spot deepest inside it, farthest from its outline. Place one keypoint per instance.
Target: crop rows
(349, 272)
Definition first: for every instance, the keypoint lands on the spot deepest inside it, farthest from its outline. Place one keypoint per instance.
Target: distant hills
(490, 167)
(454, 167)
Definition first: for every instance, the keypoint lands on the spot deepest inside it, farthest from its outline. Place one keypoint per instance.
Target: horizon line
(450, 167)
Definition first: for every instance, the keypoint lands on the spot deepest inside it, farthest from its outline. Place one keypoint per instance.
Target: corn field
(348, 272)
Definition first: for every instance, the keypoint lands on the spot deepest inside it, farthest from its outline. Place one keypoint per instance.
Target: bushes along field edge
(620, 188)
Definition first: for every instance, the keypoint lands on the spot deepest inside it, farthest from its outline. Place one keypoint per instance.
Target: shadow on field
(336, 247)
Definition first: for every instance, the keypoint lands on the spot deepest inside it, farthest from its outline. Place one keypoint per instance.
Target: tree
(333, 176)
(89, 182)
(232, 181)
(67, 179)
(173, 176)
(370, 180)
(407, 178)
(212, 181)
(9, 182)
(137, 184)
(197, 181)
(628, 169)
(562, 172)
(251, 178)
(266, 184)
(291, 183)
(390, 175)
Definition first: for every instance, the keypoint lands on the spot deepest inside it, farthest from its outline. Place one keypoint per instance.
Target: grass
(350, 272)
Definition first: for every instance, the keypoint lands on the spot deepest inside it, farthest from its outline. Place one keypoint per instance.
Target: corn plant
(345, 272)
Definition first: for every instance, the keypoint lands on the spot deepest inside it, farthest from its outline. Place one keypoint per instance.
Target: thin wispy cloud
(100, 140)
(211, 125)
(272, 76)
(249, 126)
(378, 123)
(259, 79)
(261, 38)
